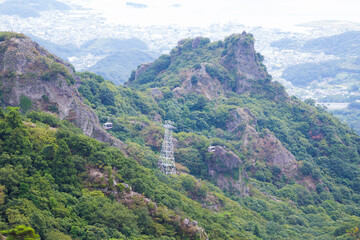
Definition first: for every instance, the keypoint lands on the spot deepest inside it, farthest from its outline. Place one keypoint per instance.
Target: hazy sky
(270, 13)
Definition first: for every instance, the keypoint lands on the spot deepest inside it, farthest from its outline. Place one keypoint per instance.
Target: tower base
(167, 168)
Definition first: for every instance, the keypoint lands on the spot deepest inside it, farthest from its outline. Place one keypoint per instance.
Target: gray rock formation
(241, 57)
(205, 85)
(28, 70)
(260, 146)
(225, 168)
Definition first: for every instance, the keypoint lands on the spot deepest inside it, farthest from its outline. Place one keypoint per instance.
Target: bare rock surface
(225, 168)
(241, 57)
(205, 85)
(260, 146)
(26, 69)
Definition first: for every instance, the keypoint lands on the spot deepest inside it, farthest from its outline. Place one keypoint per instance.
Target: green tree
(257, 231)
(63, 169)
(18, 141)
(13, 118)
(354, 232)
(57, 235)
(2, 114)
(21, 232)
(25, 103)
(2, 195)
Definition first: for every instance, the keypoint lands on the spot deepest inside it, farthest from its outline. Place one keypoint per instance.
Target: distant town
(63, 27)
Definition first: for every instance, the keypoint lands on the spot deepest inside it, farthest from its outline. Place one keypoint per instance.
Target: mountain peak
(240, 57)
(27, 71)
(210, 68)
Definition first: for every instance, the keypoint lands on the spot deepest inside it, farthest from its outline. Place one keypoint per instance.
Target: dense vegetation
(46, 184)
(327, 150)
(305, 130)
(59, 184)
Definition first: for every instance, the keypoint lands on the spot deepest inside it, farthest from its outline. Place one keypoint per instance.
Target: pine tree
(2, 114)
(64, 168)
(257, 231)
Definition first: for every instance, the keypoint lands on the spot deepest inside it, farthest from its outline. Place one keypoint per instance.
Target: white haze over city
(282, 14)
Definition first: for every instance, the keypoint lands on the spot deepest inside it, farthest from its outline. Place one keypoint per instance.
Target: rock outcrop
(198, 81)
(249, 73)
(241, 57)
(225, 66)
(225, 168)
(29, 71)
(260, 146)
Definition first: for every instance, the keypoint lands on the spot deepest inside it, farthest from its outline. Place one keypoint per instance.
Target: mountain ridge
(29, 71)
(284, 169)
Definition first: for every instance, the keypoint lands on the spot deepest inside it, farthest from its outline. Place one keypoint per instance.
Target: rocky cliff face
(28, 71)
(225, 168)
(217, 70)
(260, 146)
(229, 65)
(245, 65)
(205, 85)
(241, 58)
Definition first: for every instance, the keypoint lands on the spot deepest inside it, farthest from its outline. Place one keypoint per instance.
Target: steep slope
(286, 169)
(291, 162)
(221, 90)
(221, 69)
(68, 186)
(232, 65)
(242, 124)
(33, 77)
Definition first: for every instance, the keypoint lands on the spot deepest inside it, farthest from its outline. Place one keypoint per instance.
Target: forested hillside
(207, 91)
(253, 162)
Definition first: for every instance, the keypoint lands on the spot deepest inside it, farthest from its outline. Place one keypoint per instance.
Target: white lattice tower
(167, 160)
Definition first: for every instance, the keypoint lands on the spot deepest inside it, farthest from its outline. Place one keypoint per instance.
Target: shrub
(161, 63)
(197, 66)
(25, 103)
(106, 96)
(53, 108)
(120, 187)
(306, 169)
(45, 98)
(8, 35)
(194, 80)
(44, 118)
(90, 75)
(212, 71)
(21, 232)
(217, 72)
(55, 69)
